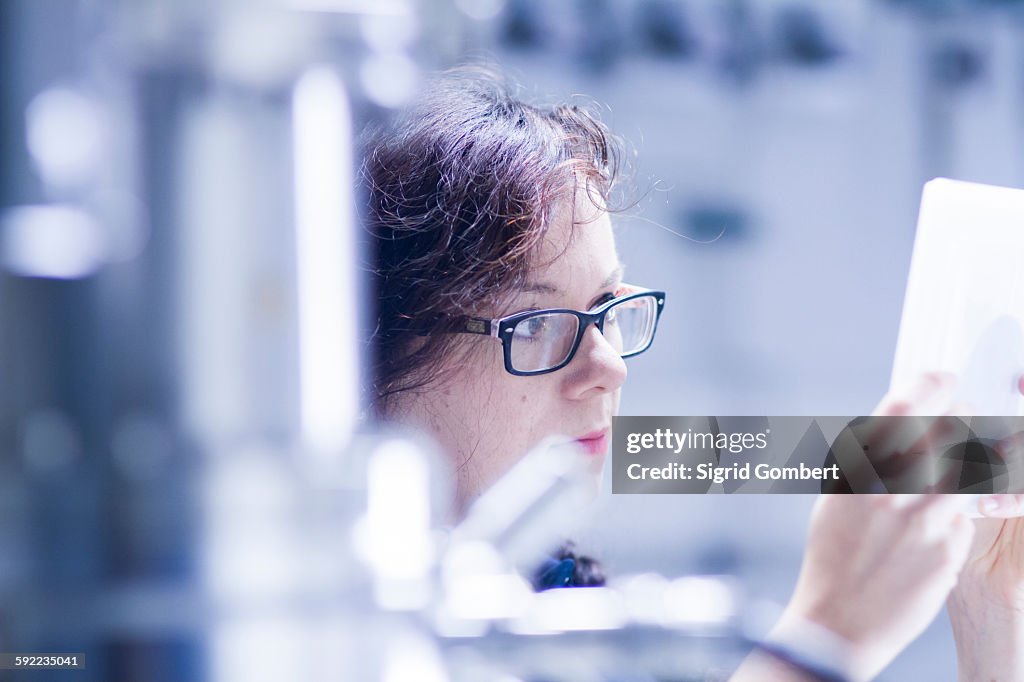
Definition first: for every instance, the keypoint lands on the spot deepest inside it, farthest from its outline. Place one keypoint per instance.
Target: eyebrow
(545, 288)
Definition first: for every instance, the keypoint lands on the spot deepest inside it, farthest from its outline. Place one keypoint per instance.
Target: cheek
(540, 409)
(490, 418)
(514, 414)
(489, 409)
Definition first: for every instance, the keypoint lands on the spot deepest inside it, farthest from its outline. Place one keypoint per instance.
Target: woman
(505, 317)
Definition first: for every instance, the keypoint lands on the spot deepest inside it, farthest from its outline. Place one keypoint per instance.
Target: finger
(916, 462)
(902, 444)
(961, 537)
(916, 433)
(902, 500)
(1011, 448)
(962, 410)
(936, 514)
(938, 504)
(884, 430)
(853, 458)
(925, 438)
(927, 391)
(901, 425)
(948, 483)
(926, 468)
(1001, 506)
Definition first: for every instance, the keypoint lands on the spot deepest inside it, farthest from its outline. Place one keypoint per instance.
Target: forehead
(578, 245)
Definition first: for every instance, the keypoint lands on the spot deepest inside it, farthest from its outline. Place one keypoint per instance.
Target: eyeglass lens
(545, 341)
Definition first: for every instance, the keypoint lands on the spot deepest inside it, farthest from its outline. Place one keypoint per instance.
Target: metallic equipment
(186, 489)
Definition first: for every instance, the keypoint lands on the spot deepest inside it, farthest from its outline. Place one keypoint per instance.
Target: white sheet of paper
(964, 308)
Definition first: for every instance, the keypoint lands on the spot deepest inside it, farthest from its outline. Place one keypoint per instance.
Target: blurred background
(163, 256)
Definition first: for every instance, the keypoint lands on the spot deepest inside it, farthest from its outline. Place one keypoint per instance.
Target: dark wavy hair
(460, 191)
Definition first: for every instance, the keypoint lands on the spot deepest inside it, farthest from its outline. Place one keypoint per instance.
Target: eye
(530, 329)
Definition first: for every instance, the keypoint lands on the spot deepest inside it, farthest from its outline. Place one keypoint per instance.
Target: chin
(596, 463)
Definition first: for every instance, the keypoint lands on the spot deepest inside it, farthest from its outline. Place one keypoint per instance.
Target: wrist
(856, 646)
(988, 627)
(814, 645)
(977, 586)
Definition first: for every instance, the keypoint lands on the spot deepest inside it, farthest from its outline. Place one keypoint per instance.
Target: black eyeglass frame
(503, 328)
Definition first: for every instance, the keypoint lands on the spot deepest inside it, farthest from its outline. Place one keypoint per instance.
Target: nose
(597, 368)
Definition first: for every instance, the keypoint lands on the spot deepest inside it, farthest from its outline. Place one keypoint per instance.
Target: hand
(995, 565)
(897, 448)
(996, 559)
(987, 606)
(986, 609)
(878, 569)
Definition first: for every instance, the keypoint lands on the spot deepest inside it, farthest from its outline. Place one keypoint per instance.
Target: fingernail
(1002, 505)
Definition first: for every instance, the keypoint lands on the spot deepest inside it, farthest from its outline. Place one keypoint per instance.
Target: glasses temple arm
(477, 325)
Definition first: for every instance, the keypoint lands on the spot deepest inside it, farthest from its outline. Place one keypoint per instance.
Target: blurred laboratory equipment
(187, 488)
(190, 489)
(181, 359)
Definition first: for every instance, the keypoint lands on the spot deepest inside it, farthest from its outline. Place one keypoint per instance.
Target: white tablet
(964, 308)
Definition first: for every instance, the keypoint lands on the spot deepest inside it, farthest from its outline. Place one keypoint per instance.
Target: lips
(595, 442)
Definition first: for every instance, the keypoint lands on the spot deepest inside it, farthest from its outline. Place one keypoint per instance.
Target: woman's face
(484, 418)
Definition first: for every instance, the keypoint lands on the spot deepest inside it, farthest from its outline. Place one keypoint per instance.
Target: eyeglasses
(542, 341)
